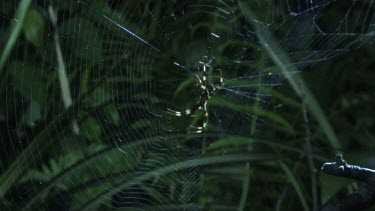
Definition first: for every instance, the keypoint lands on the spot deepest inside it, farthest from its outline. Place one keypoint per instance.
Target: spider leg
(216, 85)
(178, 113)
(205, 116)
(203, 87)
(207, 91)
(200, 129)
(196, 131)
(186, 112)
(221, 78)
(204, 74)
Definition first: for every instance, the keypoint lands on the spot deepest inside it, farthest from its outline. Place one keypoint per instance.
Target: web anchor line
(131, 33)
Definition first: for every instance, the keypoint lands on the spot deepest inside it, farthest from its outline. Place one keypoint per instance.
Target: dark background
(115, 146)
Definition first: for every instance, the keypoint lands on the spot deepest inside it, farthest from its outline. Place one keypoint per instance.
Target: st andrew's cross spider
(207, 91)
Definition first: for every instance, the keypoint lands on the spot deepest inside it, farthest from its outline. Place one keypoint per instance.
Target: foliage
(127, 152)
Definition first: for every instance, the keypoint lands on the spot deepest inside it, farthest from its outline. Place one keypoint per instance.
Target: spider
(207, 91)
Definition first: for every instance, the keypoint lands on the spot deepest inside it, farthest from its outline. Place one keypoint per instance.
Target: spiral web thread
(126, 61)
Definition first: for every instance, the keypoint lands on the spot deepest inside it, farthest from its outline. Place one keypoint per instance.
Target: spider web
(114, 146)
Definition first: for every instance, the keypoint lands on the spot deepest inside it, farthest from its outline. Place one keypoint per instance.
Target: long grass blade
(295, 185)
(19, 19)
(296, 82)
(230, 158)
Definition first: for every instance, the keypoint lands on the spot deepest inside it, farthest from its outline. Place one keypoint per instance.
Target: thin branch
(309, 155)
(341, 168)
(63, 78)
(362, 198)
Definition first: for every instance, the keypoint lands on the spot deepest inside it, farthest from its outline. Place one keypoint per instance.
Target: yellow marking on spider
(208, 90)
(177, 113)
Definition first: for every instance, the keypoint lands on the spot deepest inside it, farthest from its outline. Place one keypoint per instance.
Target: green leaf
(33, 27)
(280, 59)
(41, 143)
(296, 185)
(33, 113)
(99, 96)
(330, 185)
(20, 17)
(92, 160)
(33, 87)
(83, 37)
(113, 115)
(174, 167)
(91, 129)
(255, 110)
(184, 85)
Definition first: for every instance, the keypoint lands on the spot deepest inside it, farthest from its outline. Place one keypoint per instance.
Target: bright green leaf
(91, 129)
(83, 37)
(33, 87)
(113, 114)
(330, 185)
(33, 27)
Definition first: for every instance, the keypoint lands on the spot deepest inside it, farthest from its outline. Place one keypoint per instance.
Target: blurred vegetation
(114, 146)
